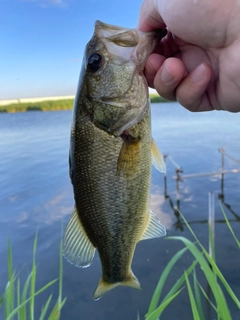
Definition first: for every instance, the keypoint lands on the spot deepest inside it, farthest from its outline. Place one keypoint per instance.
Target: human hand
(198, 62)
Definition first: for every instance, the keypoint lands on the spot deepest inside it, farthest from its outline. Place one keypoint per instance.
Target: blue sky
(42, 42)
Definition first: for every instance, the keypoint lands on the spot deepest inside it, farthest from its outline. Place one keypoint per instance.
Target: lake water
(36, 195)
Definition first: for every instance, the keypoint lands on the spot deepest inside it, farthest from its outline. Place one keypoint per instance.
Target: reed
(18, 300)
(214, 277)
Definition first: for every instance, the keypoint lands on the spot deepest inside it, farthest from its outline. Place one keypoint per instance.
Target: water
(36, 195)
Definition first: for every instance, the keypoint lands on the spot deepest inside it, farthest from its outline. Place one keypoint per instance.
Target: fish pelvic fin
(154, 228)
(77, 248)
(157, 158)
(105, 286)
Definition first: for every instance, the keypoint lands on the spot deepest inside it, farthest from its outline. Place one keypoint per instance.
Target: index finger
(149, 16)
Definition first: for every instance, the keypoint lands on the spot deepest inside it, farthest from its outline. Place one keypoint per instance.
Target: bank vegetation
(53, 105)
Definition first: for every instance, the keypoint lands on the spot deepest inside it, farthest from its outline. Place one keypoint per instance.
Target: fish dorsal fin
(157, 158)
(154, 228)
(77, 248)
(104, 286)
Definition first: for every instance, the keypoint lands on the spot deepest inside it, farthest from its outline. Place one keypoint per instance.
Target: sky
(42, 42)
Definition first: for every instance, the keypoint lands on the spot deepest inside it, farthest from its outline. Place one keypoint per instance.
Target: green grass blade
(157, 312)
(224, 282)
(33, 279)
(45, 308)
(162, 280)
(175, 288)
(197, 295)
(229, 226)
(45, 287)
(9, 293)
(24, 296)
(19, 297)
(1, 299)
(10, 268)
(214, 267)
(192, 300)
(28, 292)
(207, 298)
(15, 311)
(177, 285)
(180, 281)
(7, 308)
(56, 312)
(217, 292)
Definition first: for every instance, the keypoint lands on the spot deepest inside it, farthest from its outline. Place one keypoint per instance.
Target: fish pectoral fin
(77, 248)
(128, 160)
(105, 286)
(157, 158)
(154, 228)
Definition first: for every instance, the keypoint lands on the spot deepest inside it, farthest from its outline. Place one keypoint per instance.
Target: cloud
(57, 2)
(47, 3)
(156, 203)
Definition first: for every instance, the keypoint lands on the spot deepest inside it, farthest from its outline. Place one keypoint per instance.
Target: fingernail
(198, 74)
(166, 75)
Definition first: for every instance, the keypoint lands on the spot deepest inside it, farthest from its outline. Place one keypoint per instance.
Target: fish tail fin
(105, 286)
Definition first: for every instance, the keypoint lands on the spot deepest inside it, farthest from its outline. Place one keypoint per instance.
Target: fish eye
(94, 62)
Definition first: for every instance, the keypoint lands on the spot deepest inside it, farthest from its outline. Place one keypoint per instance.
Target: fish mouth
(140, 44)
(112, 28)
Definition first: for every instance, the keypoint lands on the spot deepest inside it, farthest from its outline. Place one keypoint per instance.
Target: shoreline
(53, 105)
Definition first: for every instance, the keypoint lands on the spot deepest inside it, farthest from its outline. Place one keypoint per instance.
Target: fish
(111, 155)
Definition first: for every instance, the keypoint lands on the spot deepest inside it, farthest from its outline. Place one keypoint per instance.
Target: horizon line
(6, 102)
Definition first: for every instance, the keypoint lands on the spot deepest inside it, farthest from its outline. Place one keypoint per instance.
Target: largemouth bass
(111, 152)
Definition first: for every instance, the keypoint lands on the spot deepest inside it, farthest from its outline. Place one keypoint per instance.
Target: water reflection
(175, 203)
(229, 208)
(36, 195)
(156, 205)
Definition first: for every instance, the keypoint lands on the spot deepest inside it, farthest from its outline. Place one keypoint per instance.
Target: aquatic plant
(19, 301)
(213, 275)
